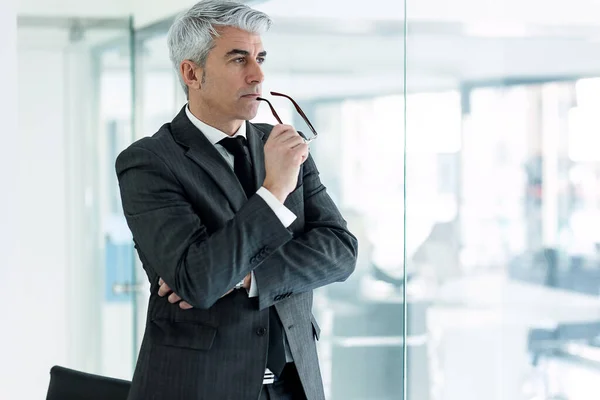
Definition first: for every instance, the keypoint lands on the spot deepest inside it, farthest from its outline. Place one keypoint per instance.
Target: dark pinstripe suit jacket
(194, 227)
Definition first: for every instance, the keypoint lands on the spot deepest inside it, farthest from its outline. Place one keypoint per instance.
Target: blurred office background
(492, 106)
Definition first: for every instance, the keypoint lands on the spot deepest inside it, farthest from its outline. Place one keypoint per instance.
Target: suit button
(261, 331)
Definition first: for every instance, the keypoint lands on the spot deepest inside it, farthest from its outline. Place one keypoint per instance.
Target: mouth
(251, 96)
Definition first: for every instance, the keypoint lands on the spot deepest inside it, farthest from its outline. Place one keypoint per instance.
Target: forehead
(234, 38)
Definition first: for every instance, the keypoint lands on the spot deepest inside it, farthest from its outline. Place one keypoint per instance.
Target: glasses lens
(303, 129)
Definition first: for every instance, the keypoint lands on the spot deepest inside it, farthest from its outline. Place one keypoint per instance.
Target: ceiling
(329, 58)
(357, 48)
(331, 48)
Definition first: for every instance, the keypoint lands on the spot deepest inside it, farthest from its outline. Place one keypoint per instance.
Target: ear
(191, 74)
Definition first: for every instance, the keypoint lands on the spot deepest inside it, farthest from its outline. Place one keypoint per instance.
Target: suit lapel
(257, 153)
(203, 153)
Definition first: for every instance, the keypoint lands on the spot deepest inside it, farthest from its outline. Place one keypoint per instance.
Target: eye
(261, 60)
(239, 60)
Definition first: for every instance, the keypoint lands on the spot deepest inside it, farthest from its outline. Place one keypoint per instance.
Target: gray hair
(191, 37)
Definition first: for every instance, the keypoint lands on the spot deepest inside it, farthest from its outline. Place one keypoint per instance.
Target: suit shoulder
(160, 145)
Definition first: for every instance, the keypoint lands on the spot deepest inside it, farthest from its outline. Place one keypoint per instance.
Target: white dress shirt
(214, 136)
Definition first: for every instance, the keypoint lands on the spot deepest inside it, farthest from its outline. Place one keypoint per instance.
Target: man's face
(233, 75)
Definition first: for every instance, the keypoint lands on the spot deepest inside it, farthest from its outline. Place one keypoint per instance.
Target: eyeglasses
(304, 117)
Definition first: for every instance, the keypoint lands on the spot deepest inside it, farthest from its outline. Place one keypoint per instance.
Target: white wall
(12, 283)
(35, 264)
(42, 167)
(32, 232)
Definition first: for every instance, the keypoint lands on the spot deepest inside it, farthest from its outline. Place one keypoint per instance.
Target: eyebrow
(243, 53)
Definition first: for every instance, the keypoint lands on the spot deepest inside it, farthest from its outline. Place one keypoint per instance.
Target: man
(238, 232)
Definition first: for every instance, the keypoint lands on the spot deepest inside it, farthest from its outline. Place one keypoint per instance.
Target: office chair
(68, 384)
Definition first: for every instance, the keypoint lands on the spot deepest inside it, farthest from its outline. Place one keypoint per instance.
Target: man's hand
(247, 282)
(285, 151)
(173, 298)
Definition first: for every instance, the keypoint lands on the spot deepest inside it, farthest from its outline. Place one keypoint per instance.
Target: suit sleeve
(325, 253)
(169, 234)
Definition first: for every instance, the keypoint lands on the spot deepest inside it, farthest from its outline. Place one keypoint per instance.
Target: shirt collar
(212, 134)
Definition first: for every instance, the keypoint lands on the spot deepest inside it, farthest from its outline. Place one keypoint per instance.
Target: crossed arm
(199, 268)
(164, 289)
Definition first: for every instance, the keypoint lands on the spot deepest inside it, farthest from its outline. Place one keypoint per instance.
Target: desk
(478, 329)
(362, 349)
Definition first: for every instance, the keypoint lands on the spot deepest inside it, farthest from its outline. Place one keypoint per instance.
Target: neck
(204, 113)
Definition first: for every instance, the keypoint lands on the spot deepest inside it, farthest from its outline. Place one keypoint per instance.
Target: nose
(255, 73)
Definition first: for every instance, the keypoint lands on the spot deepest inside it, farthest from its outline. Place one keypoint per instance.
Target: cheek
(223, 90)
(212, 91)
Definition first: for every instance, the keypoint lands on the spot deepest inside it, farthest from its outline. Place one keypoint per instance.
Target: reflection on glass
(511, 250)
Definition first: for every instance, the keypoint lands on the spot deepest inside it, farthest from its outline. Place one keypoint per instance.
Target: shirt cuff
(282, 212)
(253, 292)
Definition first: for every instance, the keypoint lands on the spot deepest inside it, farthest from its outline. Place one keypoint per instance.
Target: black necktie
(242, 166)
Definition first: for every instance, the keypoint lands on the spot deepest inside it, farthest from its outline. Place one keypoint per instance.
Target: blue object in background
(118, 269)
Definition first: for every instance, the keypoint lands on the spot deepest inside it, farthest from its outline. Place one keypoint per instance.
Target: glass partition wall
(501, 189)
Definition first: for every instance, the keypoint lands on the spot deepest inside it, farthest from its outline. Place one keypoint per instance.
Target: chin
(248, 115)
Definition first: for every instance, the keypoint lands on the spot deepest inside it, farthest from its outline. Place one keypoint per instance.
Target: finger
(284, 133)
(184, 305)
(278, 130)
(294, 141)
(173, 298)
(301, 151)
(160, 281)
(163, 290)
(305, 157)
(306, 149)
